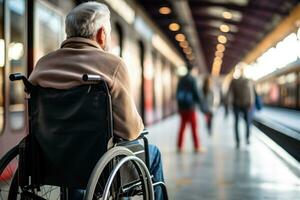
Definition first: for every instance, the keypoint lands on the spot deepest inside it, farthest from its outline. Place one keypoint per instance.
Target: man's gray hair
(86, 19)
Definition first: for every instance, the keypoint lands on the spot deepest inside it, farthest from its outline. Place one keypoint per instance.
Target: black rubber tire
(4, 162)
(8, 157)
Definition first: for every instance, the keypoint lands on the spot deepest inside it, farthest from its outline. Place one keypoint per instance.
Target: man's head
(90, 20)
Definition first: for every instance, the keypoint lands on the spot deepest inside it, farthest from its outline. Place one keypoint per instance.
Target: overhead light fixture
(222, 39)
(219, 54)
(217, 61)
(184, 44)
(216, 70)
(164, 10)
(216, 64)
(224, 28)
(180, 37)
(220, 48)
(187, 50)
(227, 15)
(190, 57)
(174, 27)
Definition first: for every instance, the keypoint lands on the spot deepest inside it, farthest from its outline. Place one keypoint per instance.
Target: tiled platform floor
(222, 172)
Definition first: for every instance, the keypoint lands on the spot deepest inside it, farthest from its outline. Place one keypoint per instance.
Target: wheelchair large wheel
(9, 187)
(114, 189)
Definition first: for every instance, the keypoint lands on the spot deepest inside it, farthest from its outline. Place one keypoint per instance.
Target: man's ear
(100, 37)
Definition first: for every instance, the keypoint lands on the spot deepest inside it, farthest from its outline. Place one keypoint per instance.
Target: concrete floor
(222, 172)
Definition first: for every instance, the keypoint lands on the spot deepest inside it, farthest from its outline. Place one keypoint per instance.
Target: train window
(167, 87)
(154, 103)
(164, 86)
(117, 40)
(49, 29)
(17, 61)
(2, 61)
(158, 87)
(132, 60)
(174, 87)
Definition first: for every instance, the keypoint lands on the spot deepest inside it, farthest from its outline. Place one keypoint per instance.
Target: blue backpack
(185, 97)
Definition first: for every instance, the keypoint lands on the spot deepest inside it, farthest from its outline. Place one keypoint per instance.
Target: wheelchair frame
(118, 150)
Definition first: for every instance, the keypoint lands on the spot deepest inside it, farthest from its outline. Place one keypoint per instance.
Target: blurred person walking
(188, 97)
(243, 98)
(225, 103)
(211, 100)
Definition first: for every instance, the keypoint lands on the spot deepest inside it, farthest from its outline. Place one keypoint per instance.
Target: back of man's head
(86, 19)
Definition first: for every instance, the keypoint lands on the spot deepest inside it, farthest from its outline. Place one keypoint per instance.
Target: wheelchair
(70, 148)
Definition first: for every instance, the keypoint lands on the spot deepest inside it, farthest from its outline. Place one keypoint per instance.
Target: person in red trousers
(188, 96)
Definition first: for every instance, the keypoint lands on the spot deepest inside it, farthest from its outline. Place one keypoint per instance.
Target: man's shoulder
(87, 55)
(46, 57)
(110, 56)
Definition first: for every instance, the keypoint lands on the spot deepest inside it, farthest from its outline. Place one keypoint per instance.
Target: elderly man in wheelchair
(86, 138)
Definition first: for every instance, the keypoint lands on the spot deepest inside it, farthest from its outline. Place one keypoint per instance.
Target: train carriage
(30, 29)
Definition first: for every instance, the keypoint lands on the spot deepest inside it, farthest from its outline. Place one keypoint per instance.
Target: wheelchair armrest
(142, 134)
(120, 141)
(143, 137)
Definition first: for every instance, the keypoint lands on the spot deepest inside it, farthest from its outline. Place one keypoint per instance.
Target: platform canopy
(237, 25)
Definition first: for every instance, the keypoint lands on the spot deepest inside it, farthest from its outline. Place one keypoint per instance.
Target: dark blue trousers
(247, 116)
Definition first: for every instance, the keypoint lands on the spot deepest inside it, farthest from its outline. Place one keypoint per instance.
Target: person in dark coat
(242, 92)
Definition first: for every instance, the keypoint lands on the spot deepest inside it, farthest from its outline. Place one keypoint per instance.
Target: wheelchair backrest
(72, 128)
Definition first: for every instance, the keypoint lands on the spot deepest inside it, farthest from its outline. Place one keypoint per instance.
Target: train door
(49, 28)
(13, 45)
(132, 60)
(154, 103)
(167, 88)
(148, 86)
(174, 88)
(17, 45)
(2, 64)
(117, 40)
(158, 88)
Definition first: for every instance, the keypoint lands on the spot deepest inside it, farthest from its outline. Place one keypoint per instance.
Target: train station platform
(286, 118)
(222, 172)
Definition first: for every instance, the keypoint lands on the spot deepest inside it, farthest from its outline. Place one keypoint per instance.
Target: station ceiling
(244, 23)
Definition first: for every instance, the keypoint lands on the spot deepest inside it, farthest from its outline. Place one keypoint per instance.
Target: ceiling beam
(206, 16)
(288, 25)
(245, 25)
(183, 12)
(196, 4)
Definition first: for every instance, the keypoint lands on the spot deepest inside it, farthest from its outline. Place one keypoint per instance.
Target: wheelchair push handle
(91, 78)
(17, 77)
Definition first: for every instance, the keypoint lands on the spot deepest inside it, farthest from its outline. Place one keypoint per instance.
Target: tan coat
(63, 69)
